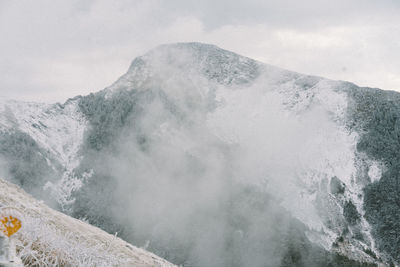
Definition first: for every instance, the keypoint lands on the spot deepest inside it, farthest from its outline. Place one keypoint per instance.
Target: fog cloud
(204, 174)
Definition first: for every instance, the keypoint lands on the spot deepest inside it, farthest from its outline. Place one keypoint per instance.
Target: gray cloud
(287, 13)
(52, 50)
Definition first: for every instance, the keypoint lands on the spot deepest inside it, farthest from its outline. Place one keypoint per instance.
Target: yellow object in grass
(9, 225)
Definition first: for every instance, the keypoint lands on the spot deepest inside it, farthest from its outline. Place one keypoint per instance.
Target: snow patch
(375, 171)
(62, 190)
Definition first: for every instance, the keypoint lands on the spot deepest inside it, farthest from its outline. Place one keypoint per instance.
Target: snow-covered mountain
(214, 159)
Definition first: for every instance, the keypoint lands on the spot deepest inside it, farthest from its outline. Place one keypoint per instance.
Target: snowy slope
(50, 238)
(57, 128)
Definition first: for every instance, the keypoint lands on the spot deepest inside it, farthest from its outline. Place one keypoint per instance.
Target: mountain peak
(196, 47)
(186, 61)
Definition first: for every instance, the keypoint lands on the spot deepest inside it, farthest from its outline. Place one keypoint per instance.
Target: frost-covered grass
(41, 244)
(50, 238)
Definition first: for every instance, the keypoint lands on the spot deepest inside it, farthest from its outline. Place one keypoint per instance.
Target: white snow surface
(51, 238)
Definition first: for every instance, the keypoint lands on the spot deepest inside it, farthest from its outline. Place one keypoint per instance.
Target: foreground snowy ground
(50, 238)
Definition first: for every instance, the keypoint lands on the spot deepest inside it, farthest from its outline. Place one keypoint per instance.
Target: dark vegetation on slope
(336, 186)
(111, 119)
(96, 200)
(350, 213)
(376, 114)
(108, 116)
(26, 163)
(257, 231)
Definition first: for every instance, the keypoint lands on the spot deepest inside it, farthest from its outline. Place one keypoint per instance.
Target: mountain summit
(212, 62)
(209, 158)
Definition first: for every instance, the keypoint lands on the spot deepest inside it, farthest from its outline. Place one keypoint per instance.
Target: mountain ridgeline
(208, 158)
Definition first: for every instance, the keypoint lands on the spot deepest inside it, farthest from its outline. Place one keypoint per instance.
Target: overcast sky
(52, 50)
